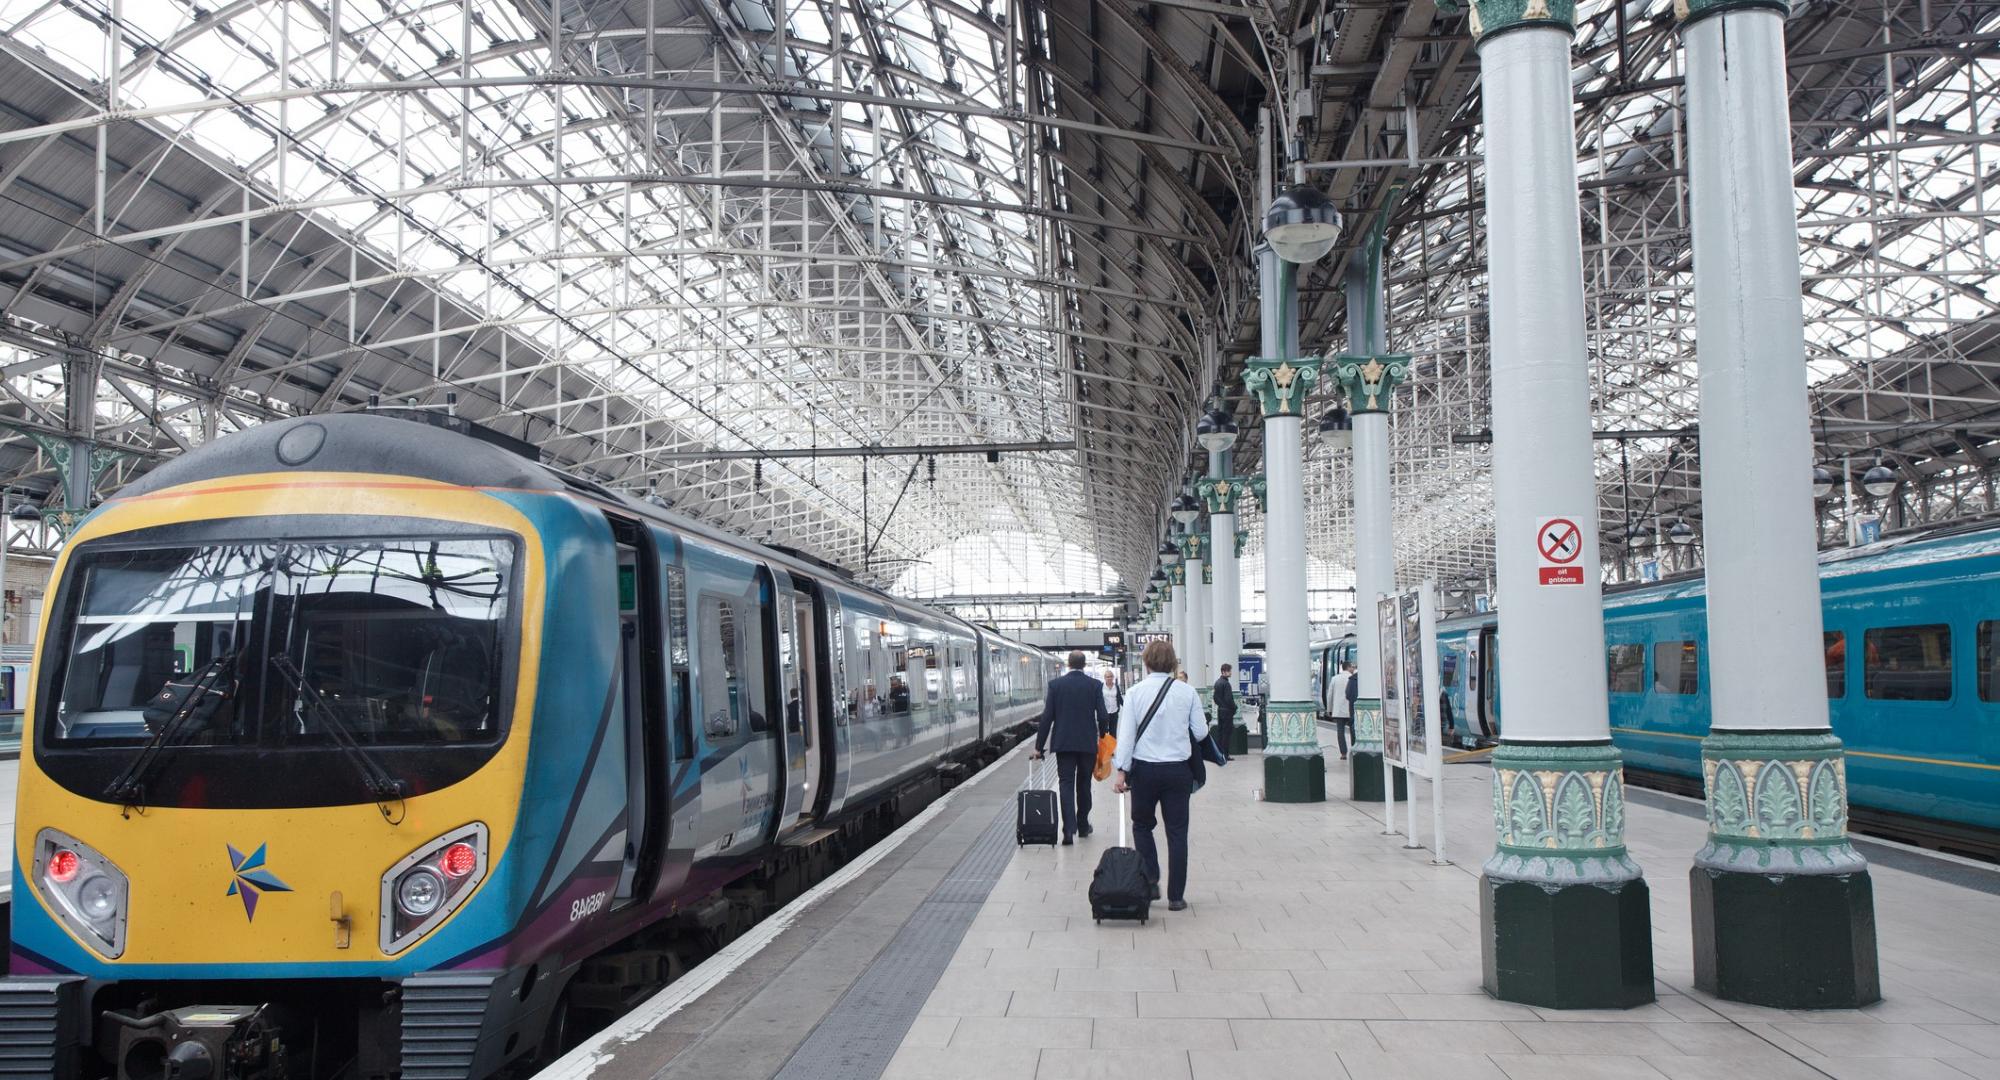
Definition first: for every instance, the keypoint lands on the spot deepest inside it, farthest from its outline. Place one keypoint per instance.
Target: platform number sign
(1559, 552)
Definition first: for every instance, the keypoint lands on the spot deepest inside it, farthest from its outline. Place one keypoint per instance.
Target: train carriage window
(721, 670)
(1836, 663)
(1676, 667)
(677, 656)
(1908, 663)
(1989, 661)
(1626, 667)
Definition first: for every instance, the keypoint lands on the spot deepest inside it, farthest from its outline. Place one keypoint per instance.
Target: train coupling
(201, 1042)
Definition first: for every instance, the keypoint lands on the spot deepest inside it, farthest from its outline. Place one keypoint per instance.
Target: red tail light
(459, 860)
(63, 866)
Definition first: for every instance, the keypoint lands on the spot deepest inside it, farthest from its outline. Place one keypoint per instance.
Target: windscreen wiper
(194, 709)
(381, 785)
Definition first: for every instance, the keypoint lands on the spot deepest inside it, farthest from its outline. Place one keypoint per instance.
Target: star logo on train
(250, 879)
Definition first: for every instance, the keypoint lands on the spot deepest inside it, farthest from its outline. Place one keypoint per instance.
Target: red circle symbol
(1560, 541)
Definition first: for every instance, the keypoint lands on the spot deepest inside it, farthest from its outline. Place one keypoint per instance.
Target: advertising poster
(1392, 679)
(1417, 705)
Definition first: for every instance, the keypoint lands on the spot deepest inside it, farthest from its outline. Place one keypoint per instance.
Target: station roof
(881, 279)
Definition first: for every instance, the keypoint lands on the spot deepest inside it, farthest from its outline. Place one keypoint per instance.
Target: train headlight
(428, 884)
(84, 889)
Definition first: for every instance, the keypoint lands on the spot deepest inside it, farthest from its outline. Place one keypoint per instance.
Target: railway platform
(1315, 945)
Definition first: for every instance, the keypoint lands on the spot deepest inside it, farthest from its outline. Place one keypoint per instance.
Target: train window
(1989, 661)
(1908, 663)
(1836, 663)
(1625, 665)
(1676, 667)
(721, 670)
(677, 655)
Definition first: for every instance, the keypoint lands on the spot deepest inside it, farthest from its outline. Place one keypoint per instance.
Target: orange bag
(1107, 745)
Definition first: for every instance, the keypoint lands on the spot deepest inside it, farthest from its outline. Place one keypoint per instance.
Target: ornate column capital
(1177, 574)
(1220, 494)
(1687, 12)
(1489, 17)
(1259, 488)
(1370, 381)
(1280, 385)
(1208, 573)
(1242, 541)
(1194, 546)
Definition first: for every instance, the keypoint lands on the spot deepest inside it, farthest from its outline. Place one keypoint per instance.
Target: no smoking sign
(1559, 551)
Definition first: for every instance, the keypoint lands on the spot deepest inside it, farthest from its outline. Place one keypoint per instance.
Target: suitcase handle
(1125, 819)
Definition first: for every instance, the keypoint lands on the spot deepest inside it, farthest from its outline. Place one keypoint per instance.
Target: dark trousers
(1342, 727)
(1073, 777)
(1164, 785)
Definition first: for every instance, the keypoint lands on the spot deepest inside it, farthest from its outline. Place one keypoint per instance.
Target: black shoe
(1085, 831)
(1156, 892)
(1068, 840)
(1177, 905)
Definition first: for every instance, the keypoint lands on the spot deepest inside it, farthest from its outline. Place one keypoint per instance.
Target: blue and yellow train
(1912, 651)
(364, 748)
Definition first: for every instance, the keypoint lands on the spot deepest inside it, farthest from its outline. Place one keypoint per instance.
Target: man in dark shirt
(1073, 717)
(1225, 702)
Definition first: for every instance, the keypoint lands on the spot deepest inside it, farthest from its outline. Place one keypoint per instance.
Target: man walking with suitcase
(1073, 717)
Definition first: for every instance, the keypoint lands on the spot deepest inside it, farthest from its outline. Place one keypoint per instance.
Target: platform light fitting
(1170, 553)
(25, 512)
(1682, 533)
(1878, 480)
(1215, 431)
(1302, 224)
(1186, 509)
(1634, 539)
(1822, 482)
(1336, 428)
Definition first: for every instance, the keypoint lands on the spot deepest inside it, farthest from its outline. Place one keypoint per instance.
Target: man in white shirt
(1153, 765)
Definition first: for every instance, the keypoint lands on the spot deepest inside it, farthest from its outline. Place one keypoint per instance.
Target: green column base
(1785, 941)
(1239, 740)
(1364, 777)
(1580, 946)
(1295, 778)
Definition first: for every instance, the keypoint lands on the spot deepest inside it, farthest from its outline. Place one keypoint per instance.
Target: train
(366, 746)
(1912, 651)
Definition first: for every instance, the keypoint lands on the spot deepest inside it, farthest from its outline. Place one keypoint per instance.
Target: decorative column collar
(1370, 381)
(1281, 385)
(1690, 11)
(1777, 803)
(1489, 17)
(1559, 815)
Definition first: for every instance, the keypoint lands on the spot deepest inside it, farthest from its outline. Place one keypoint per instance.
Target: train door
(1487, 664)
(642, 712)
(798, 733)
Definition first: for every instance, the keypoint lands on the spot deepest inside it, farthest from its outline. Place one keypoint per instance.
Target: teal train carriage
(1912, 648)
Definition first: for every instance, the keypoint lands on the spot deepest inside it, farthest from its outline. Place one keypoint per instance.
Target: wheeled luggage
(1035, 812)
(1120, 889)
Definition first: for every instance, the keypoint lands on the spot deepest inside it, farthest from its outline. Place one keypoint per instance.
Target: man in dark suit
(1225, 703)
(1073, 717)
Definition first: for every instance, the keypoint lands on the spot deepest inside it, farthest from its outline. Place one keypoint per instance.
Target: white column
(1374, 549)
(1553, 647)
(1287, 631)
(1766, 657)
(1565, 921)
(1199, 672)
(1777, 850)
(1226, 598)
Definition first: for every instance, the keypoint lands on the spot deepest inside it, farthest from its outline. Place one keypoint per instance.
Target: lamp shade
(1215, 431)
(1682, 533)
(1170, 553)
(1878, 481)
(1337, 428)
(1302, 224)
(1186, 509)
(1822, 482)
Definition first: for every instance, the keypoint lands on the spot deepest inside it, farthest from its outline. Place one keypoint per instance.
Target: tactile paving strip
(857, 1038)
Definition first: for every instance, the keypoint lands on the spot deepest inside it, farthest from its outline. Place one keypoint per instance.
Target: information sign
(1417, 706)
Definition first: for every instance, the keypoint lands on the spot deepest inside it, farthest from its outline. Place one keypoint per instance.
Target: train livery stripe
(1850, 753)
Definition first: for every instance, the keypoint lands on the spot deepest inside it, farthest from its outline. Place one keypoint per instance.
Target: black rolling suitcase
(1035, 813)
(1120, 889)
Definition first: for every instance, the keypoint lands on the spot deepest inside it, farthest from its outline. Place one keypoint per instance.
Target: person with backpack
(1157, 731)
